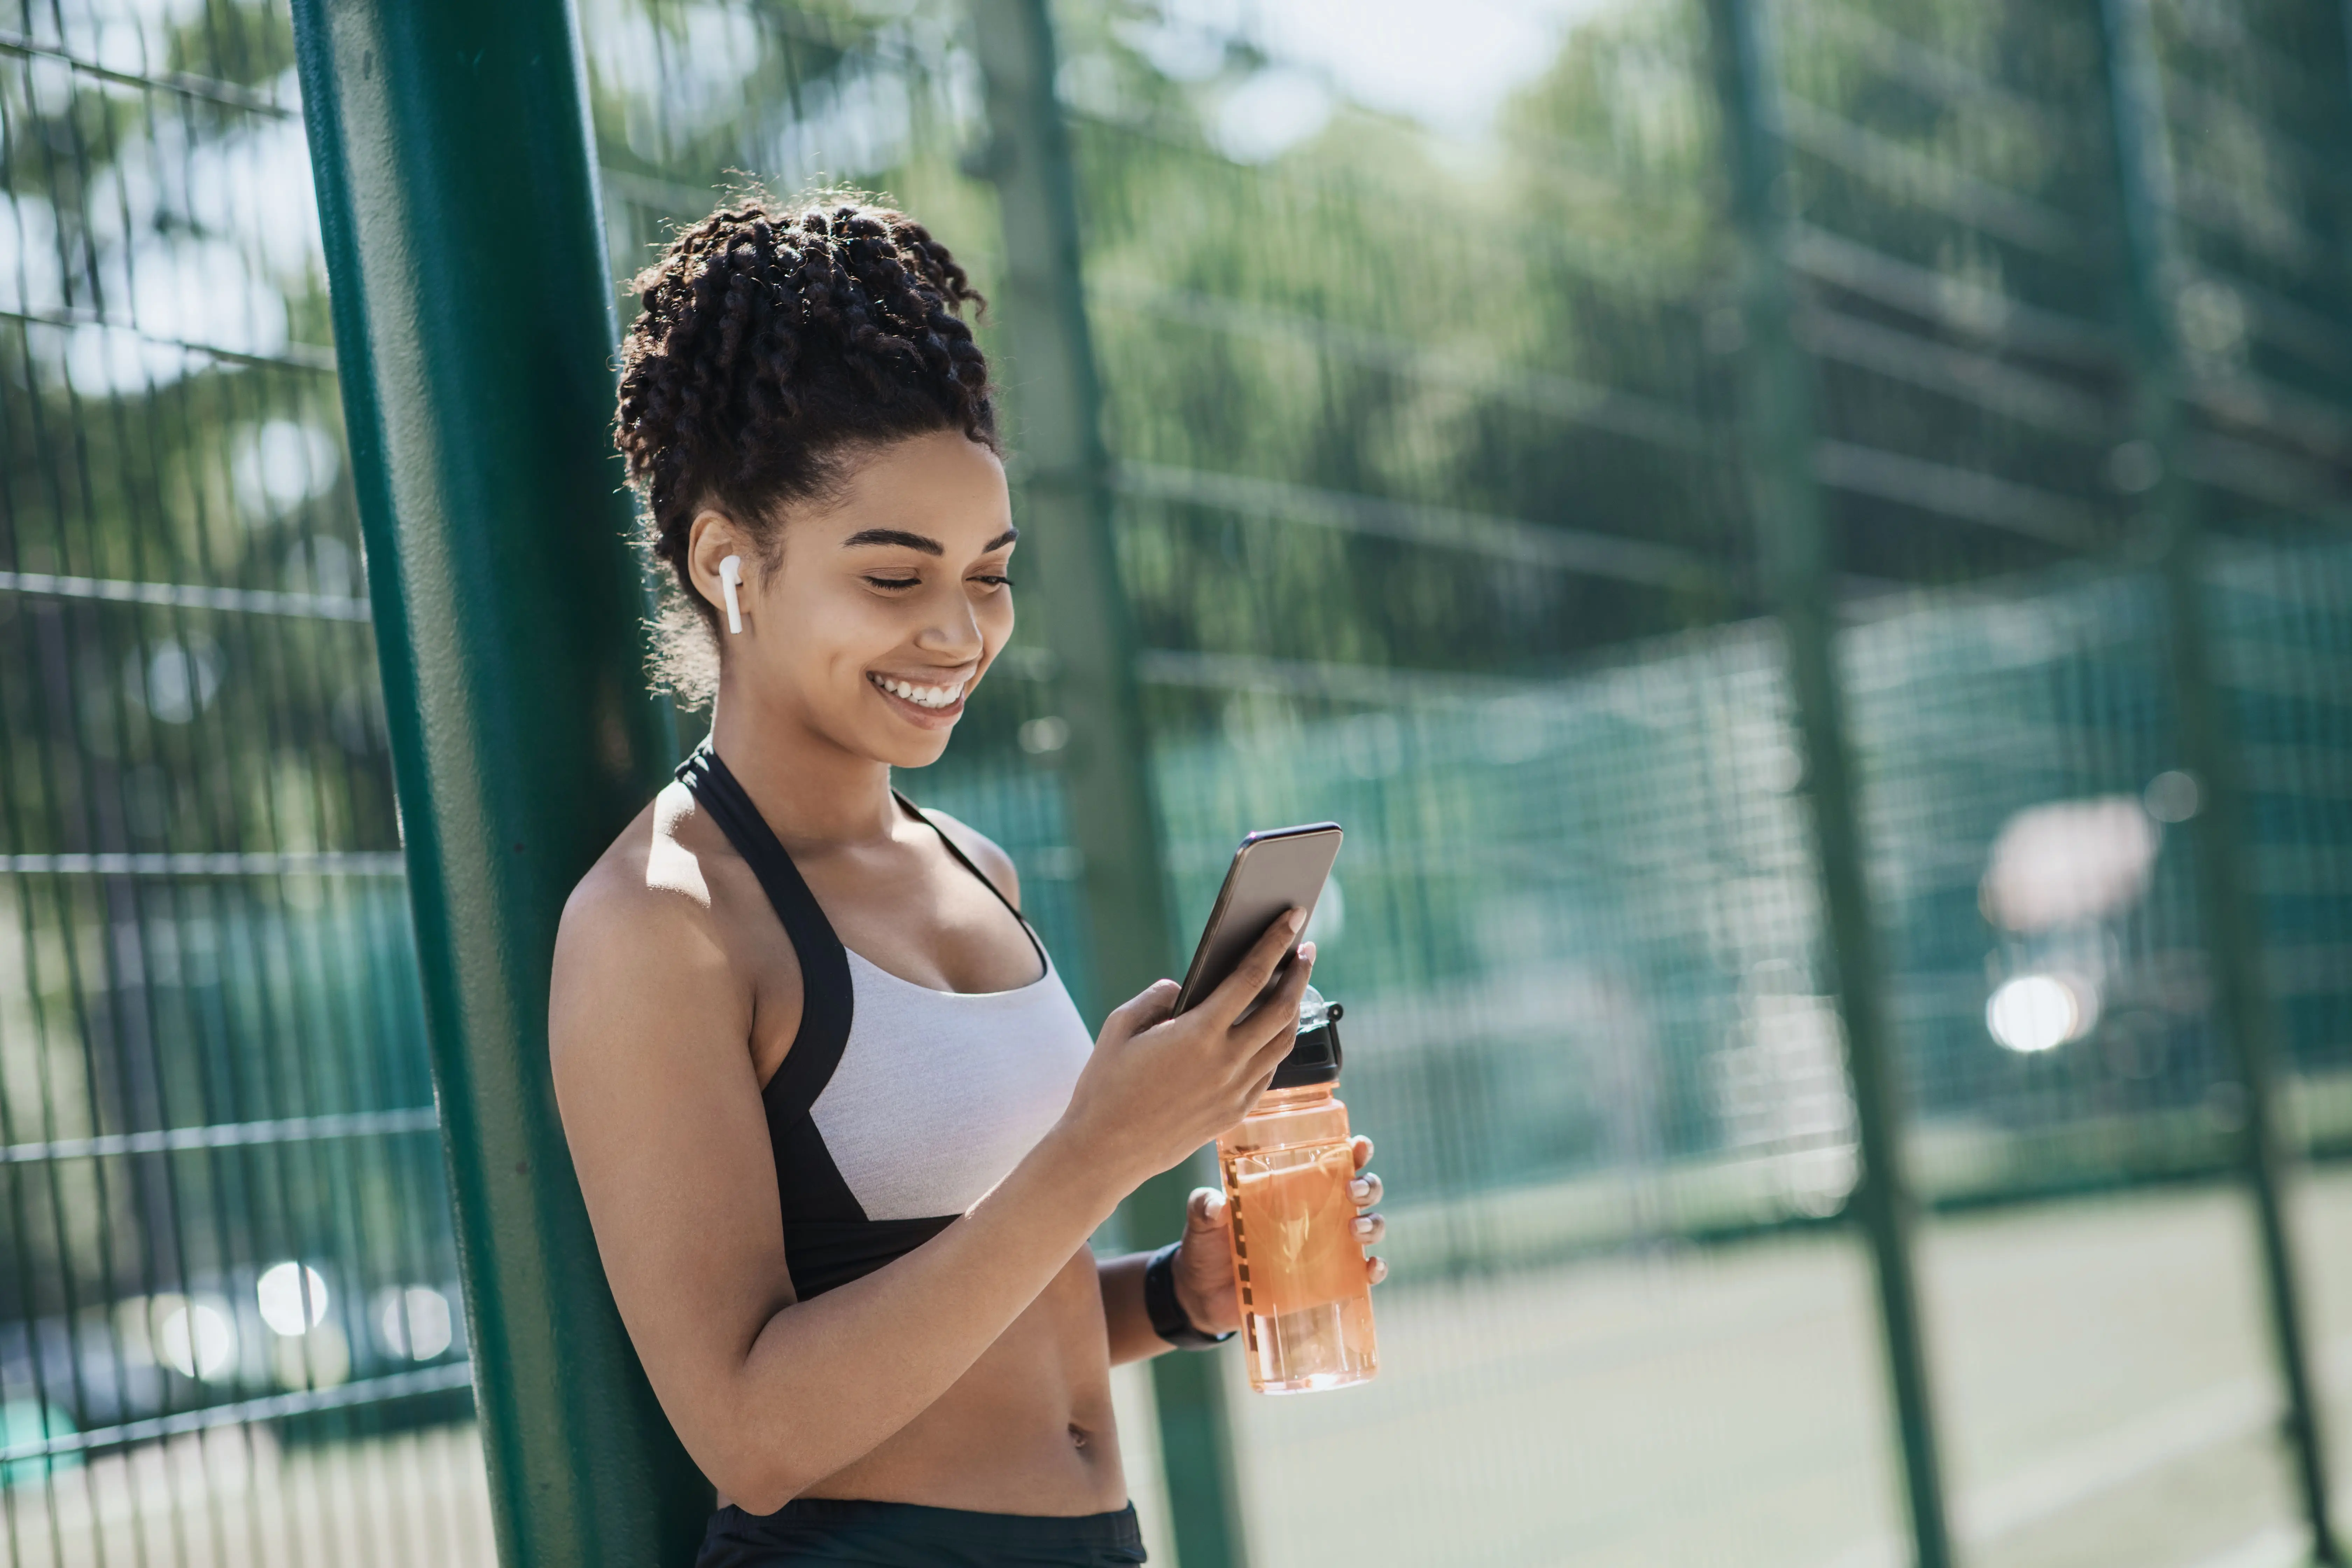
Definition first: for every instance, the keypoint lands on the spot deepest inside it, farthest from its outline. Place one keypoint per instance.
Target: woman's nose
(954, 630)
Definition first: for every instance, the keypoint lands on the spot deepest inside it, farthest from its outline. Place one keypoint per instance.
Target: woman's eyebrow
(897, 536)
(900, 537)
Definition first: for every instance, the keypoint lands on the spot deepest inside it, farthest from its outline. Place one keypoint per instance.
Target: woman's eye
(894, 582)
(994, 582)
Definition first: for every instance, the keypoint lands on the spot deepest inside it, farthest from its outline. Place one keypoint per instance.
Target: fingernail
(1379, 1269)
(1294, 919)
(1363, 1227)
(1359, 1190)
(1305, 953)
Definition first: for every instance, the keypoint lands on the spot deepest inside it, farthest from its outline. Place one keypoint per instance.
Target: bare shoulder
(647, 890)
(640, 935)
(982, 852)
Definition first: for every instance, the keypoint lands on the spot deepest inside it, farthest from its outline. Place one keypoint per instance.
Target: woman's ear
(712, 539)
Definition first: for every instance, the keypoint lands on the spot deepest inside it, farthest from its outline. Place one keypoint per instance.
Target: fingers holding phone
(1257, 1004)
(1169, 1074)
(1233, 1003)
(1160, 1086)
(1272, 1021)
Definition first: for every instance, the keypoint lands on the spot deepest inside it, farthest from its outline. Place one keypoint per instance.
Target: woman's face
(885, 606)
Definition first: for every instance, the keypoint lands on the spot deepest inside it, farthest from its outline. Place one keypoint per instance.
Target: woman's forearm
(846, 1370)
(1124, 1318)
(1203, 1274)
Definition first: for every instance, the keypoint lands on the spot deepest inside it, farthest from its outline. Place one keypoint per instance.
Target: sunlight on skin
(669, 866)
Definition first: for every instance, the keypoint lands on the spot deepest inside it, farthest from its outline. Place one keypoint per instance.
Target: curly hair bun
(776, 339)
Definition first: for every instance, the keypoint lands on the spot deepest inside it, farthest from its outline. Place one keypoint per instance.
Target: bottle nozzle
(1315, 1053)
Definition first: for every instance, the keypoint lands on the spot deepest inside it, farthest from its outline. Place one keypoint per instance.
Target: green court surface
(2101, 1364)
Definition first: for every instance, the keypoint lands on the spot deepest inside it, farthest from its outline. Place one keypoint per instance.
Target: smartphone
(1278, 869)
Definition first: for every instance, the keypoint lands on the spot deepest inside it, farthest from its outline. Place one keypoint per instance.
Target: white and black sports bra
(897, 1107)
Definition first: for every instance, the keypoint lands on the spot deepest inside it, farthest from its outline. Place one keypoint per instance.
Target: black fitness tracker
(1169, 1319)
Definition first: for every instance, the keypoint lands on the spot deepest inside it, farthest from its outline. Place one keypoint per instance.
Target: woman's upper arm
(648, 1028)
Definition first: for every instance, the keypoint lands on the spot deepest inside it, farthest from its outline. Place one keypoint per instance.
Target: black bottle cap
(1315, 1056)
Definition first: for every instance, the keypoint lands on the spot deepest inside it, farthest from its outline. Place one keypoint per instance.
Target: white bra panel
(939, 1094)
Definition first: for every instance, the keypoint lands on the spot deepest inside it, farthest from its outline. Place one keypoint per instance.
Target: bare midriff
(1028, 1429)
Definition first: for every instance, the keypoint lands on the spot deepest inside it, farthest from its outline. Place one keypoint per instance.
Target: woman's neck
(815, 792)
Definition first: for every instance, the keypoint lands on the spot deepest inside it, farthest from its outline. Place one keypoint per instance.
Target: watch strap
(1169, 1319)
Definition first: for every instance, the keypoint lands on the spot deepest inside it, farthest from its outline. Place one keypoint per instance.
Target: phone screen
(1281, 869)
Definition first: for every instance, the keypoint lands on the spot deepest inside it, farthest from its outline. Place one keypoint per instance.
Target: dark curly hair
(778, 343)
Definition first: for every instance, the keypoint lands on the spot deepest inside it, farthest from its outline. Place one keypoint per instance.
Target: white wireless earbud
(731, 572)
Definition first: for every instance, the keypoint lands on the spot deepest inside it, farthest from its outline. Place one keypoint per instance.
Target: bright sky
(1449, 65)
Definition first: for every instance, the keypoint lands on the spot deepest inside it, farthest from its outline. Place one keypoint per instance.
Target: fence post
(1794, 549)
(474, 329)
(1067, 520)
(2169, 524)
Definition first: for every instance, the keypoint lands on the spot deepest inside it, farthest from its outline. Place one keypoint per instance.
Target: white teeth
(922, 696)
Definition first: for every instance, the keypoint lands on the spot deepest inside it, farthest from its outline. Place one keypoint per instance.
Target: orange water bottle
(1306, 1303)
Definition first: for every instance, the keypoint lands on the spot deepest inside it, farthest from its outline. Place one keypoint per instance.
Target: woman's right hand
(1157, 1087)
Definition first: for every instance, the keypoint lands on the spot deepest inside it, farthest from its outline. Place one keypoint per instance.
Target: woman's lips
(922, 713)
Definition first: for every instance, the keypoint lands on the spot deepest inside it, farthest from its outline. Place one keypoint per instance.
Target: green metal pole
(1777, 432)
(1067, 495)
(474, 329)
(2169, 524)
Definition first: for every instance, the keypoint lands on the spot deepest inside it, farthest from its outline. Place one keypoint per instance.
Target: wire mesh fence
(228, 1311)
(1434, 516)
(1429, 509)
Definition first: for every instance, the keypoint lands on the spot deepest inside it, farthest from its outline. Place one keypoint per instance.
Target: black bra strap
(985, 879)
(827, 994)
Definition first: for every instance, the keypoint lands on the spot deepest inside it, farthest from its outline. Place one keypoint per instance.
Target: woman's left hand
(1204, 1265)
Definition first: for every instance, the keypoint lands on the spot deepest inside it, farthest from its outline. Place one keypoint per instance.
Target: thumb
(1205, 1210)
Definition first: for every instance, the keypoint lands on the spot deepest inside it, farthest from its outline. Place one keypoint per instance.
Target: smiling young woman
(841, 1133)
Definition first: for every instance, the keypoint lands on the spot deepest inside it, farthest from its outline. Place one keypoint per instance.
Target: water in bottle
(1306, 1299)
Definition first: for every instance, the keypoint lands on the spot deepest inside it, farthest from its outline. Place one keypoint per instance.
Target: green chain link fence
(1438, 478)
(229, 1321)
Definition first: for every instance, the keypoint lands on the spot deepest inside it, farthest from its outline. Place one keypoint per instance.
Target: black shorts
(908, 1535)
